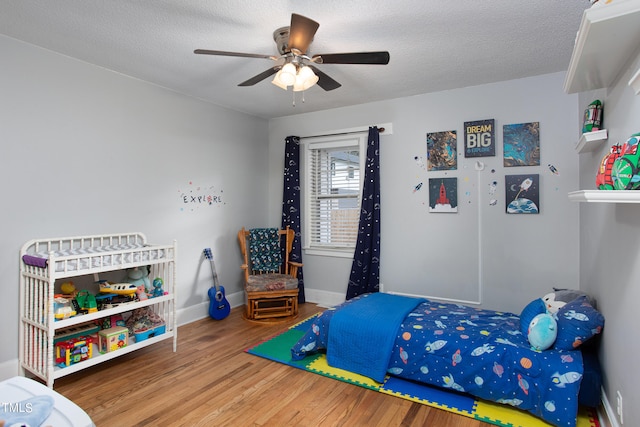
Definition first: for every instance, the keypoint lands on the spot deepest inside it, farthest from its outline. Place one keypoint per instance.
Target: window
(333, 188)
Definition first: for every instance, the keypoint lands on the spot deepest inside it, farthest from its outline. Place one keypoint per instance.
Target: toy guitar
(219, 307)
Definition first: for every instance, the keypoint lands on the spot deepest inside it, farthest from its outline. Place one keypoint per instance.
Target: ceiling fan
(295, 68)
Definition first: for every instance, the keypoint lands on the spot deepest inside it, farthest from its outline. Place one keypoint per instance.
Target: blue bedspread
(481, 352)
(361, 336)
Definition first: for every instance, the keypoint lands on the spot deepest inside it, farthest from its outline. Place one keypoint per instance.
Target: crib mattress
(64, 413)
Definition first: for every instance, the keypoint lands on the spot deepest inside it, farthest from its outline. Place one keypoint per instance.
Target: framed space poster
(443, 195)
(521, 144)
(522, 194)
(479, 138)
(442, 151)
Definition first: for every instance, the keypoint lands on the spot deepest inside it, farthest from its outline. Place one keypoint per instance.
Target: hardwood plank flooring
(211, 381)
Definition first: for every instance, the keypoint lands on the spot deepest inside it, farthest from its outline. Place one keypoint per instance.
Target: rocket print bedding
(466, 349)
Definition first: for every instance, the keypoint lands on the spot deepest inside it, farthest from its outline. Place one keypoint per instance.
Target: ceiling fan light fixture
(276, 81)
(307, 78)
(287, 75)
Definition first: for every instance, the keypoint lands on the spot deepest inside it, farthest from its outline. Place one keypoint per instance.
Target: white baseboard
(323, 298)
(606, 413)
(9, 369)
(201, 311)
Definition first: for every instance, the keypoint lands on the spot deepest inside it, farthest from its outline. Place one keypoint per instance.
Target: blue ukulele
(219, 306)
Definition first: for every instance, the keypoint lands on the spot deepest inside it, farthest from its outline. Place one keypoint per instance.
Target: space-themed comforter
(477, 351)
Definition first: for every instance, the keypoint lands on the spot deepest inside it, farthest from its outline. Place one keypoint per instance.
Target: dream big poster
(479, 138)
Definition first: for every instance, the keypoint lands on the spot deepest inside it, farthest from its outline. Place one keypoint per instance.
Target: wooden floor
(211, 381)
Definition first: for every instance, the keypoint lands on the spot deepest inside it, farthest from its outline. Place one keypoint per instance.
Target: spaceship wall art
(522, 194)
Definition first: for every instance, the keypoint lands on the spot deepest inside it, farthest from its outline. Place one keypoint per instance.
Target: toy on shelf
(112, 339)
(68, 288)
(73, 351)
(86, 302)
(625, 173)
(62, 308)
(141, 293)
(85, 329)
(139, 276)
(112, 321)
(117, 288)
(157, 287)
(145, 323)
(592, 117)
(603, 177)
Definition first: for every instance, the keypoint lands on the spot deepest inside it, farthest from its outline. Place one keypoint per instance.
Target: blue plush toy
(542, 332)
(139, 276)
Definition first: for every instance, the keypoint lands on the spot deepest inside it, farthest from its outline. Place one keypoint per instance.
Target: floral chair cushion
(271, 282)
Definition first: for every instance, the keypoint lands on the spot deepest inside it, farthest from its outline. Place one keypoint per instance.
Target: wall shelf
(591, 140)
(605, 196)
(607, 38)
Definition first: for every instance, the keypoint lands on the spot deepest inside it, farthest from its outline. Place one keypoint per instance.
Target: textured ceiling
(434, 45)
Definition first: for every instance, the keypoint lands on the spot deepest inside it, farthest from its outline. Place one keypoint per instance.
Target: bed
(481, 352)
(24, 400)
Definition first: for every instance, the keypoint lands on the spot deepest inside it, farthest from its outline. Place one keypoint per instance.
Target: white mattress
(65, 412)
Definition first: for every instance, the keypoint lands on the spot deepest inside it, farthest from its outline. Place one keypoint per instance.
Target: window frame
(350, 141)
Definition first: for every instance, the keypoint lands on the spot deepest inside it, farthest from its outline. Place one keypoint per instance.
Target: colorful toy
(542, 331)
(62, 308)
(145, 323)
(118, 288)
(603, 177)
(551, 304)
(157, 287)
(68, 288)
(141, 293)
(86, 302)
(625, 169)
(78, 331)
(593, 117)
(112, 321)
(112, 339)
(139, 276)
(73, 351)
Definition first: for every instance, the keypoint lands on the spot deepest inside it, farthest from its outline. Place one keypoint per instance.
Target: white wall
(88, 151)
(610, 254)
(513, 258)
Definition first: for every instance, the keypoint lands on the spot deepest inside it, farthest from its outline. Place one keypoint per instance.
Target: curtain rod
(350, 132)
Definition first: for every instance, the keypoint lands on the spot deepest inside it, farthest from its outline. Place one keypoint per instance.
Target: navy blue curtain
(291, 202)
(365, 270)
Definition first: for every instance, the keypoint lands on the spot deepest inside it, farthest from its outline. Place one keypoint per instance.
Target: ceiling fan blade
(301, 32)
(223, 53)
(381, 58)
(324, 81)
(260, 77)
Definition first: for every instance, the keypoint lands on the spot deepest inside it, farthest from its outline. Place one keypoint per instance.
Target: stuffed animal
(157, 287)
(542, 331)
(139, 276)
(552, 305)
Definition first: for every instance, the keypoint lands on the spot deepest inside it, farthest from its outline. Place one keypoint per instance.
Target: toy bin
(112, 339)
(148, 333)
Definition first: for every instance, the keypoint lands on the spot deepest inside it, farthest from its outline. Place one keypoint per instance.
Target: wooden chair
(271, 279)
